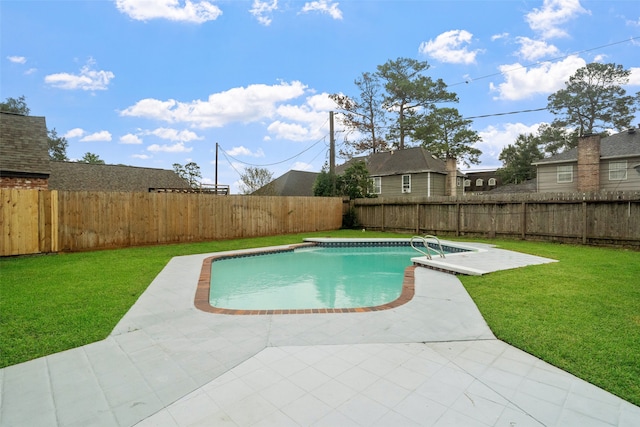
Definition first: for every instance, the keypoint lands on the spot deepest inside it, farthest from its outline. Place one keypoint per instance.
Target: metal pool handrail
(424, 238)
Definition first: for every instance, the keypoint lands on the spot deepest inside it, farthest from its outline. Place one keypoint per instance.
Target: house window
(458, 182)
(565, 173)
(467, 183)
(376, 182)
(618, 170)
(479, 182)
(406, 183)
(492, 182)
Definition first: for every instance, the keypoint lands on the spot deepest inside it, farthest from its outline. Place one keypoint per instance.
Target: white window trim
(479, 182)
(406, 189)
(377, 184)
(492, 182)
(564, 171)
(467, 183)
(622, 170)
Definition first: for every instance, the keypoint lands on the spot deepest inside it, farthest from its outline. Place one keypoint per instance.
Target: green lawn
(581, 314)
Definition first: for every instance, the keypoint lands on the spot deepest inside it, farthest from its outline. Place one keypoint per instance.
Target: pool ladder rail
(428, 248)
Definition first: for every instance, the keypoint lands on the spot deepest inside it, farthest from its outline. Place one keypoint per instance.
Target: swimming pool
(330, 276)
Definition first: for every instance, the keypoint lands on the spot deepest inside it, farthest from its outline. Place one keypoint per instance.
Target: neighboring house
(528, 186)
(597, 164)
(24, 152)
(481, 180)
(73, 176)
(292, 183)
(413, 172)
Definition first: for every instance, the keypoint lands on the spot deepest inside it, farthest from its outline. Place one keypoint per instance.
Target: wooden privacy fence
(50, 221)
(593, 218)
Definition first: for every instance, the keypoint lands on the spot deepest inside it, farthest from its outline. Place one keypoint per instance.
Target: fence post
(523, 223)
(457, 219)
(382, 207)
(417, 217)
(584, 223)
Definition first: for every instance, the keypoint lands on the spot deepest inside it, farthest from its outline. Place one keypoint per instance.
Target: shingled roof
(292, 183)
(93, 177)
(24, 147)
(619, 145)
(409, 160)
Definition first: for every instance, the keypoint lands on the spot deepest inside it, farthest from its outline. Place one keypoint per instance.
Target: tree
(91, 158)
(254, 178)
(325, 183)
(594, 100)
(355, 181)
(407, 92)
(517, 159)
(364, 114)
(18, 106)
(446, 134)
(57, 146)
(189, 172)
(554, 139)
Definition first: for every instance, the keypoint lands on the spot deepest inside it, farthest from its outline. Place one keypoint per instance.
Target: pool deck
(430, 362)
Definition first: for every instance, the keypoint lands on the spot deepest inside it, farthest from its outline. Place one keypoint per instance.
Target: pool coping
(201, 299)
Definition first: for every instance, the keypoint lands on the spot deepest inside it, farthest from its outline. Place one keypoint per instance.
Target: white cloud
(496, 138)
(30, 71)
(103, 135)
(262, 10)
(175, 135)
(176, 148)
(522, 82)
(173, 10)
(17, 59)
(301, 166)
(450, 47)
(548, 19)
(323, 6)
(532, 50)
(74, 133)
(141, 156)
(634, 77)
(244, 151)
(87, 79)
(499, 36)
(243, 104)
(130, 139)
(304, 122)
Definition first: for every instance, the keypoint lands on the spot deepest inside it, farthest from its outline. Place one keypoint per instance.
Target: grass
(581, 314)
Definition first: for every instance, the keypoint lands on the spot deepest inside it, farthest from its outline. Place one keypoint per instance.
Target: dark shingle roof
(92, 177)
(24, 148)
(623, 144)
(292, 183)
(409, 160)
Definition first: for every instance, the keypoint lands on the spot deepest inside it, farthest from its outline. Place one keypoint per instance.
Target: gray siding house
(413, 172)
(598, 164)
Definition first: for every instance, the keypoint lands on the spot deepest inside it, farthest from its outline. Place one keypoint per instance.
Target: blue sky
(152, 83)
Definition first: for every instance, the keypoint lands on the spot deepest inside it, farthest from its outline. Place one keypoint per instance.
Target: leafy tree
(408, 90)
(57, 146)
(554, 139)
(325, 183)
(594, 99)
(355, 181)
(91, 158)
(18, 106)
(364, 114)
(446, 134)
(254, 178)
(190, 172)
(517, 158)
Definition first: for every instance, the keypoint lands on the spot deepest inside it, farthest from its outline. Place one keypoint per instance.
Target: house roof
(292, 183)
(93, 177)
(619, 145)
(24, 147)
(409, 160)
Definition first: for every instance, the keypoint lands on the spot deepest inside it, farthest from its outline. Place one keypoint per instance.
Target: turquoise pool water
(308, 278)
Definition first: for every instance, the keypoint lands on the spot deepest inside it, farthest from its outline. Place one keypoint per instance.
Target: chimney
(589, 163)
(452, 172)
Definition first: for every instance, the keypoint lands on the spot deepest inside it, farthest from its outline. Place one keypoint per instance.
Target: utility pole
(216, 187)
(332, 153)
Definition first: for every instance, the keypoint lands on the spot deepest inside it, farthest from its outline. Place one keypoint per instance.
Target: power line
(470, 80)
(275, 163)
(504, 114)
